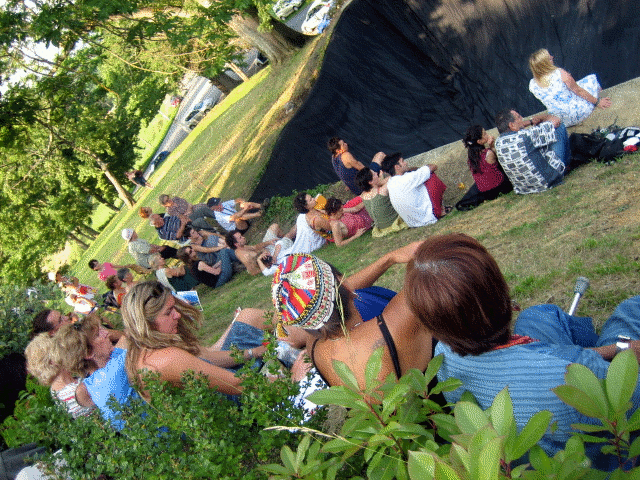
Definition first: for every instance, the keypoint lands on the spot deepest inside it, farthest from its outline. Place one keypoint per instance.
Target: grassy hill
(590, 225)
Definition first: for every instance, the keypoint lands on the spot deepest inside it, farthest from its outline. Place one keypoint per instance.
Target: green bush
(395, 430)
(392, 430)
(18, 305)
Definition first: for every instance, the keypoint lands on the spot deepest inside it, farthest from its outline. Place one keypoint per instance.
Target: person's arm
(411, 180)
(213, 270)
(368, 275)
(355, 208)
(200, 248)
(82, 396)
(545, 117)
(173, 362)
(339, 239)
(171, 272)
(350, 161)
(245, 205)
(223, 358)
(184, 220)
(581, 92)
(490, 158)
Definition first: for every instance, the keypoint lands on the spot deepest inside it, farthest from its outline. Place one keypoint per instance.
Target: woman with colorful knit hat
(347, 319)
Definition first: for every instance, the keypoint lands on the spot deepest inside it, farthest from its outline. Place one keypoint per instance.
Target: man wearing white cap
(141, 250)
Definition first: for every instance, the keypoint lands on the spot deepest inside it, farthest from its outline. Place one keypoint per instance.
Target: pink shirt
(107, 271)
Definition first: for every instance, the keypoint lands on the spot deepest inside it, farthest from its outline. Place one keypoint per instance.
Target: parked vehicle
(283, 8)
(317, 17)
(198, 112)
(158, 160)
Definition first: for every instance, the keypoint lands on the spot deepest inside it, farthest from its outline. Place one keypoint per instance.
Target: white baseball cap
(127, 233)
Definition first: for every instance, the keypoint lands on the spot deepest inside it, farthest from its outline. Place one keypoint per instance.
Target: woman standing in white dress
(564, 97)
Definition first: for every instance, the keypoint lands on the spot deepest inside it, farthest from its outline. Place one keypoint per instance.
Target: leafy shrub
(190, 432)
(392, 430)
(395, 430)
(18, 305)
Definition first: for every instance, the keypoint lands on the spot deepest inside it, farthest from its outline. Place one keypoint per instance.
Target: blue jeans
(561, 145)
(550, 324)
(224, 257)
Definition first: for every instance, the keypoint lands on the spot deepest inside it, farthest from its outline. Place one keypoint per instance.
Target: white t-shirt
(224, 217)
(410, 198)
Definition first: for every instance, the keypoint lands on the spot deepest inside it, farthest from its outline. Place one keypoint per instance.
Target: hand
(605, 102)
(433, 167)
(406, 253)
(359, 232)
(217, 268)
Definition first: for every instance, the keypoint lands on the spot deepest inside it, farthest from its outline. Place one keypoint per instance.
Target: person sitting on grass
(275, 243)
(487, 173)
(416, 194)
(213, 276)
(375, 196)
(114, 284)
(107, 269)
(177, 278)
(126, 277)
(333, 317)
(234, 214)
(346, 226)
(162, 332)
(207, 245)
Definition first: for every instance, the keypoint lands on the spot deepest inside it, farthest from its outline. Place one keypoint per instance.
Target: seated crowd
(443, 307)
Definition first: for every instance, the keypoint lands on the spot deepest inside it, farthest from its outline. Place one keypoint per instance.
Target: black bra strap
(388, 339)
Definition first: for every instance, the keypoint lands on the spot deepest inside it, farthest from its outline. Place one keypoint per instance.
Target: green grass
(589, 225)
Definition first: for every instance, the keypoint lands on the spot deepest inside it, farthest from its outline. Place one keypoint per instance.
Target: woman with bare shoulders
(162, 333)
(348, 319)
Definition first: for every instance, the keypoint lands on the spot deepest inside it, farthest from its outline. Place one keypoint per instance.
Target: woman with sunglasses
(162, 338)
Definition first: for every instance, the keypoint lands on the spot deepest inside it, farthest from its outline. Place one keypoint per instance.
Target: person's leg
(203, 224)
(548, 323)
(201, 211)
(625, 320)
(436, 188)
(272, 233)
(561, 145)
(471, 199)
(226, 272)
(291, 234)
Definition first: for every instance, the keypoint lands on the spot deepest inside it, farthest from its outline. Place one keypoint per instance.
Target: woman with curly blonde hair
(64, 360)
(162, 338)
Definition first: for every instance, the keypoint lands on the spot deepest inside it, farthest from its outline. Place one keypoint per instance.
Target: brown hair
(145, 212)
(334, 145)
(333, 205)
(457, 290)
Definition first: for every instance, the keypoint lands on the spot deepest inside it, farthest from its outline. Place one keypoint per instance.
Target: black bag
(585, 147)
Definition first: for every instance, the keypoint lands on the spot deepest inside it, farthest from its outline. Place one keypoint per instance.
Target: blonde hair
(541, 66)
(39, 363)
(140, 307)
(73, 346)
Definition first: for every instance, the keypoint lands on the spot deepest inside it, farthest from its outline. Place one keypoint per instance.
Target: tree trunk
(78, 241)
(79, 233)
(238, 71)
(87, 231)
(272, 44)
(122, 193)
(101, 199)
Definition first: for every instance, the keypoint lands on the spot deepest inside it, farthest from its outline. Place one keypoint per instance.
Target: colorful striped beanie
(304, 291)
